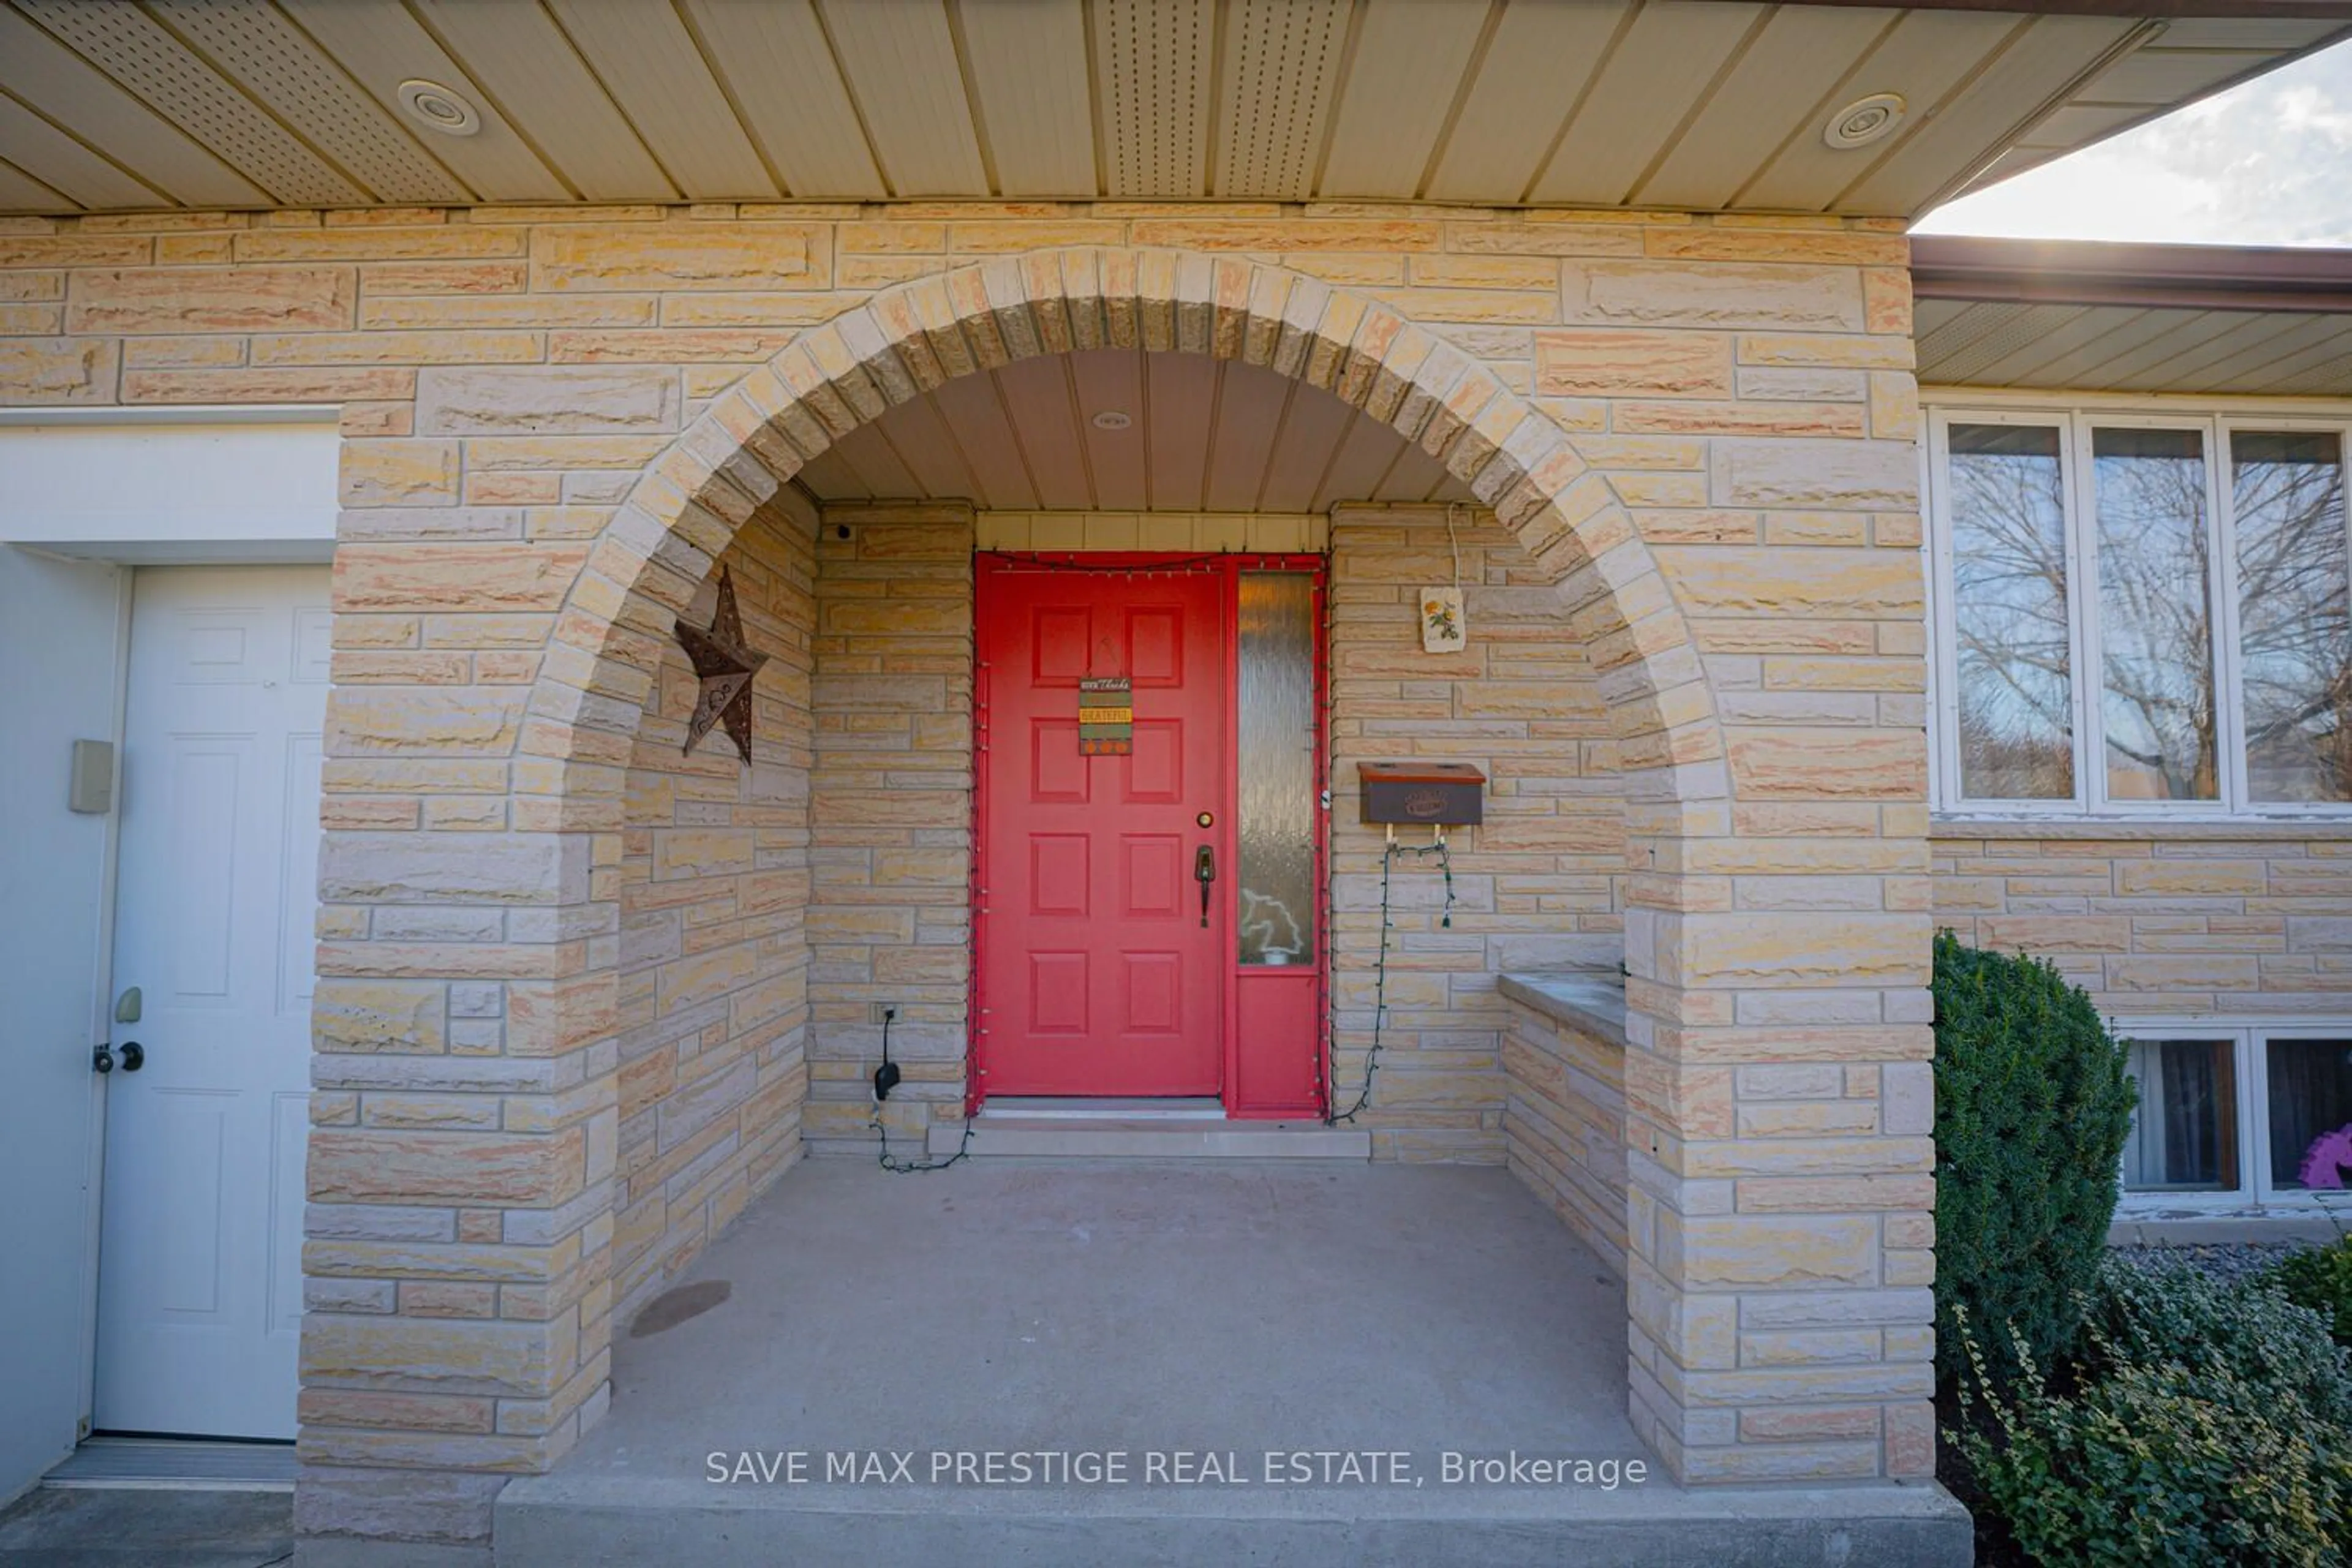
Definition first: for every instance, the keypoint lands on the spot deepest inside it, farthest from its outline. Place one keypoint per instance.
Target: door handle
(1204, 871)
(134, 1056)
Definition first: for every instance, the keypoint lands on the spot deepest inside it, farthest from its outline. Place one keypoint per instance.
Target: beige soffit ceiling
(1708, 104)
(2080, 316)
(1198, 435)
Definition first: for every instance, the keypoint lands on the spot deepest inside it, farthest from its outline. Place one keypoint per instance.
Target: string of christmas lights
(1173, 566)
(1380, 965)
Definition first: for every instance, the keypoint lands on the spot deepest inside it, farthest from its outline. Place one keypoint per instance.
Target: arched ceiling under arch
(1200, 435)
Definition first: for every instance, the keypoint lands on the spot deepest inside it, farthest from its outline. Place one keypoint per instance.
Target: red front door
(1097, 974)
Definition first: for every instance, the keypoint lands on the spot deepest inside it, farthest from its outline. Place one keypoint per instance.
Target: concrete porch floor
(1088, 1307)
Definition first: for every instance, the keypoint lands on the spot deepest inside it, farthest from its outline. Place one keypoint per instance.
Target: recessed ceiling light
(437, 108)
(1112, 420)
(1865, 120)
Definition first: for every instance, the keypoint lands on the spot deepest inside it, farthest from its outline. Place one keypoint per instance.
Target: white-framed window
(2235, 1114)
(2140, 613)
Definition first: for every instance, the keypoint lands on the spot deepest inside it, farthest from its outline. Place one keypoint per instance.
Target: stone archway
(727, 467)
(917, 336)
(1687, 1264)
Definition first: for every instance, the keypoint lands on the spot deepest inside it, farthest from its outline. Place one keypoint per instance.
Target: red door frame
(988, 565)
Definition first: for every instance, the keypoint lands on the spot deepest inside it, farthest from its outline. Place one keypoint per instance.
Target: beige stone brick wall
(1699, 430)
(890, 911)
(2158, 920)
(1535, 887)
(1564, 1125)
(714, 891)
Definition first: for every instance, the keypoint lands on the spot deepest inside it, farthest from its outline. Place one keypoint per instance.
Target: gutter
(2089, 272)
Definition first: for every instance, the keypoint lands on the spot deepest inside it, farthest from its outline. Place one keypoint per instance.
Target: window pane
(2156, 635)
(1277, 768)
(2008, 574)
(2311, 1099)
(2185, 1134)
(2294, 629)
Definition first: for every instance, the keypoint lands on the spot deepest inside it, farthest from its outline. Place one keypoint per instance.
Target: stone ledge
(2224, 1228)
(1591, 1000)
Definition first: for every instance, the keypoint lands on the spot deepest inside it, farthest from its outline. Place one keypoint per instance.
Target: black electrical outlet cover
(886, 1079)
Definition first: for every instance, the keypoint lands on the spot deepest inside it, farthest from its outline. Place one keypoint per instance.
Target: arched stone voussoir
(871, 351)
(916, 336)
(709, 456)
(569, 779)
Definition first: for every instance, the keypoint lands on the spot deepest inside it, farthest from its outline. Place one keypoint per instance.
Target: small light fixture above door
(1113, 419)
(1863, 121)
(438, 108)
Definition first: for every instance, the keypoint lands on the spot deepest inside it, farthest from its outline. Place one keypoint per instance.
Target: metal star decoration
(725, 664)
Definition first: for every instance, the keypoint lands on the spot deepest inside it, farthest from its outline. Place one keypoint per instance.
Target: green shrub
(2206, 1425)
(2320, 1278)
(2155, 1309)
(2032, 1106)
(2161, 1464)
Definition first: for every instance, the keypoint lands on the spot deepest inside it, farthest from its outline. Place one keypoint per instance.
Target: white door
(200, 1278)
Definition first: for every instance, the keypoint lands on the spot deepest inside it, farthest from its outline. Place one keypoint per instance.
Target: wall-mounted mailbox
(1450, 794)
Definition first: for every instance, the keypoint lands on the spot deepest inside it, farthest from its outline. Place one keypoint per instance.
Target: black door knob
(134, 1056)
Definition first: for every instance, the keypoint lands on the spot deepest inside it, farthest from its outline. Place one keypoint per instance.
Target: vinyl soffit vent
(1282, 61)
(263, 52)
(150, 63)
(1154, 57)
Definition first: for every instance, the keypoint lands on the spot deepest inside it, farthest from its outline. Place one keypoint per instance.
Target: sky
(2268, 162)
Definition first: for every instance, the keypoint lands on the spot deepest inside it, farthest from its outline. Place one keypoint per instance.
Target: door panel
(61, 635)
(200, 1274)
(1097, 972)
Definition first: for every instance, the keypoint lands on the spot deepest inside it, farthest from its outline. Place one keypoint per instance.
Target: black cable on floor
(904, 1167)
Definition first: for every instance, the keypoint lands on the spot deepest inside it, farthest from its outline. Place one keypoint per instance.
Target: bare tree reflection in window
(2155, 622)
(2295, 634)
(2009, 566)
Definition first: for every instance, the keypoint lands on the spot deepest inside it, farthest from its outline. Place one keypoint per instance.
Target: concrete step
(190, 1462)
(1066, 1136)
(1067, 1108)
(542, 1522)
